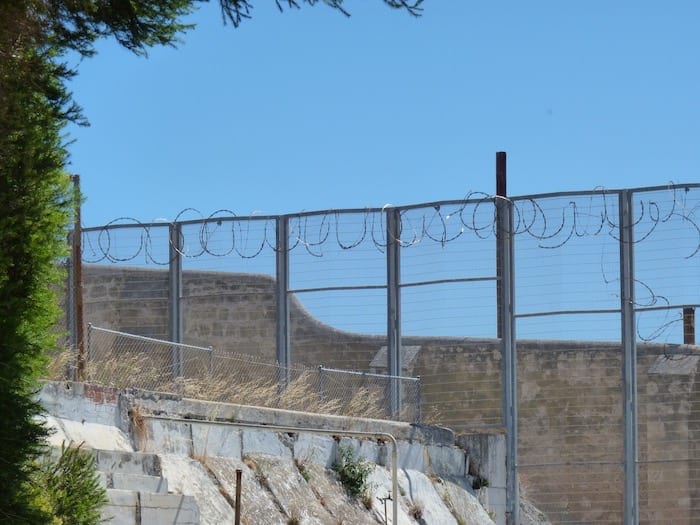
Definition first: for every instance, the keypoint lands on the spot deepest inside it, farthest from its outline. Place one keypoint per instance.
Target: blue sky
(310, 110)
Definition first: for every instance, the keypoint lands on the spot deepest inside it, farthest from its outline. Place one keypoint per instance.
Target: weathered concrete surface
(256, 502)
(129, 507)
(94, 435)
(285, 476)
(188, 476)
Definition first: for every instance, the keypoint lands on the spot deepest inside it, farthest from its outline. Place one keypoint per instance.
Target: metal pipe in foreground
(321, 431)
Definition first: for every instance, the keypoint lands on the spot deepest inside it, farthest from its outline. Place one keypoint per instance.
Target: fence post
(501, 191)
(77, 269)
(420, 397)
(506, 320)
(175, 296)
(688, 325)
(629, 358)
(282, 292)
(320, 383)
(393, 264)
(90, 350)
(71, 323)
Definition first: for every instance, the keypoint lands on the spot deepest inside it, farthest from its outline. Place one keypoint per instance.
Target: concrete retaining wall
(197, 458)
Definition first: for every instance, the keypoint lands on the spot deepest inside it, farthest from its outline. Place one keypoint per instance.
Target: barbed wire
(551, 221)
(223, 233)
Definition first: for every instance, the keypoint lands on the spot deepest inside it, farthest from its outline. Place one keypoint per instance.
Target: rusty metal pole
(689, 325)
(501, 191)
(77, 255)
(239, 476)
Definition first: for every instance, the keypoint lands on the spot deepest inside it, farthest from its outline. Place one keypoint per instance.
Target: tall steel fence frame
(505, 212)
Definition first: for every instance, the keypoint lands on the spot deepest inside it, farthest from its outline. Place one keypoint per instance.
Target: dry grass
(415, 510)
(138, 423)
(246, 384)
(301, 394)
(61, 365)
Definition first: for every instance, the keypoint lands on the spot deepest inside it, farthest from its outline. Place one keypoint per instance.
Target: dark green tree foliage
(33, 217)
(35, 208)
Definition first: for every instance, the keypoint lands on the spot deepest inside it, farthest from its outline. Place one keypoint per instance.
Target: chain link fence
(126, 360)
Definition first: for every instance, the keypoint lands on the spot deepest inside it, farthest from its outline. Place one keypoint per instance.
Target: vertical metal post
(320, 383)
(501, 191)
(420, 397)
(90, 348)
(77, 253)
(175, 297)
(71, 325)
(689, 325)
(283, 347)
(505, 240)
(237, 503)
(393, 273)
(629, 359)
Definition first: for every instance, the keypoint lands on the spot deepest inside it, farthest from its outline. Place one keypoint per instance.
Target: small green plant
(353, 472)
(479, 482)
(301, 466)
(69, 488)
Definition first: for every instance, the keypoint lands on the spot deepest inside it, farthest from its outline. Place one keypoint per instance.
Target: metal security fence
(605, 288)
(565, 319)
(126, 360)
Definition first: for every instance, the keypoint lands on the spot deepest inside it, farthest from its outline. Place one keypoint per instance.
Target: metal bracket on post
(393, 264)
(505, 238)
(629, 359)
(282, 247)
(175, 297)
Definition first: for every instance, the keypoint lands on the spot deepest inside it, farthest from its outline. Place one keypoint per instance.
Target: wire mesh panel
(228, 283)
(370, 393)
(570, 429)
(126, 277)
(570, 421)
(448, 310)
(127, 360)
(667, 270)
(337, 272)
(669, 434)
(448, 273)
(567, 261)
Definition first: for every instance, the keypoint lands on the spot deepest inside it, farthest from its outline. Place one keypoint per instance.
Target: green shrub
(68, 488)
(352, 472)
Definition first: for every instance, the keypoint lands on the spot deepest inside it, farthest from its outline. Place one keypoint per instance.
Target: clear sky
(309, 110)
